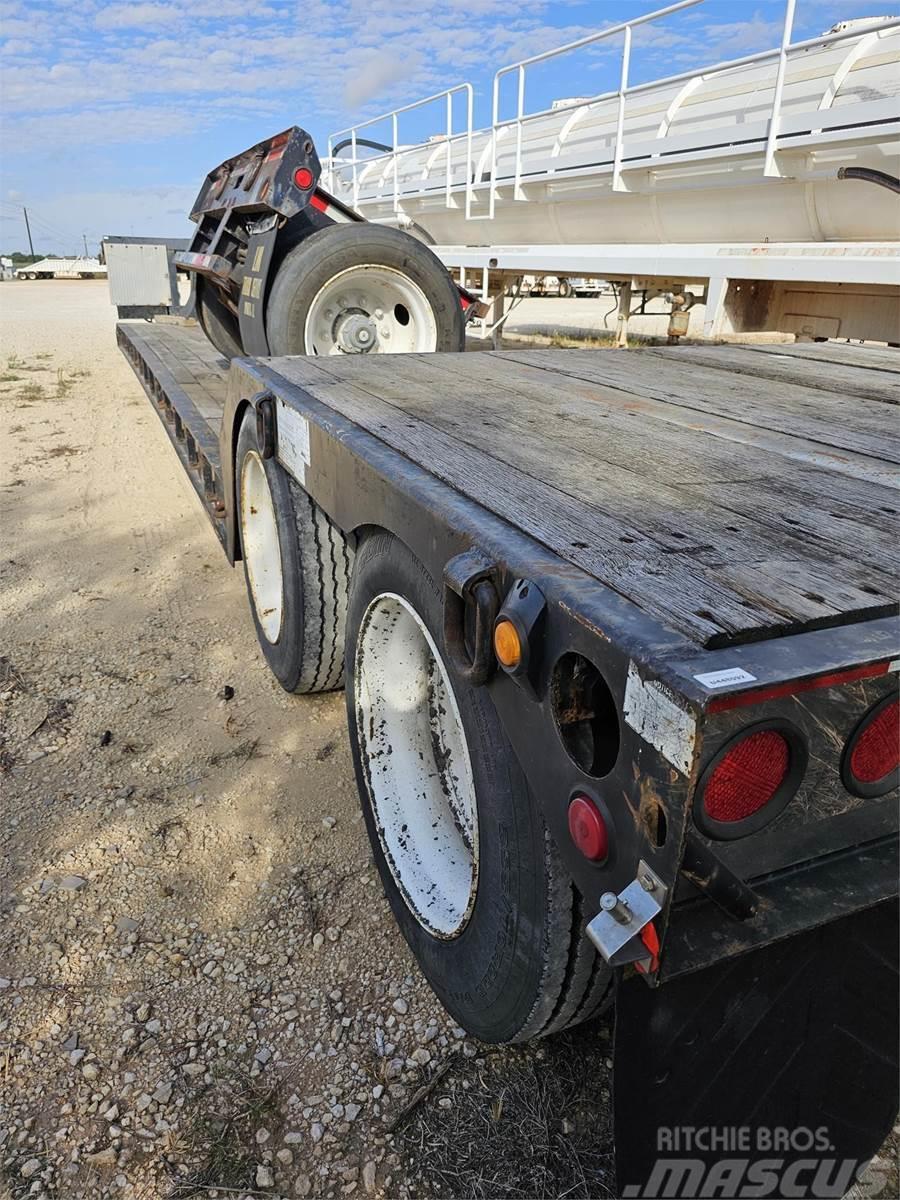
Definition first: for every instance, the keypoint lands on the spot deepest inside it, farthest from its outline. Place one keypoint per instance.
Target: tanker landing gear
(679, 299)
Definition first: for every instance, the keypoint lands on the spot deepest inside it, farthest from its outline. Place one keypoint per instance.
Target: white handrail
(769, 167)
(782, 53)
(392, 116)
(624, 27)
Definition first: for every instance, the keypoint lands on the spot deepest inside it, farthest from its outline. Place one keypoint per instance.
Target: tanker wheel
(565, 289)
(32, 275)
(363, 289)
(217, 321)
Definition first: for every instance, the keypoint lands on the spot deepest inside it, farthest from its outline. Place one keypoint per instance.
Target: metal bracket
(616, 929)
(266, 430)
(468, 579)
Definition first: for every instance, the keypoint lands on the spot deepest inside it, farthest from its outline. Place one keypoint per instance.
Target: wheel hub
(370, 309)
(420, 781)
(355, 333)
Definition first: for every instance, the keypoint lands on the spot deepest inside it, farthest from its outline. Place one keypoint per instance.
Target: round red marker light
(751, 780)
(588, 829)
(872, 755)
(303, 177)
(747, 776)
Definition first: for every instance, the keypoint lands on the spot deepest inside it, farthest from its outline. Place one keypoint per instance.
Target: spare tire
(363, 289)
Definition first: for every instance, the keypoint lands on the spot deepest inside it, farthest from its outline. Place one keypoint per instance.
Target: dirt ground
(202, 991)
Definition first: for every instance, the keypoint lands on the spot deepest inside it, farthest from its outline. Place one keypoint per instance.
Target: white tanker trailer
(765, 187)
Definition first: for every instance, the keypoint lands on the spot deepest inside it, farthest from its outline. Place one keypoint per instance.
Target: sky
(113, 113)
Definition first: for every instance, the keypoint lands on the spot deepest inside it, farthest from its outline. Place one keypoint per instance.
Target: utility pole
(84, 239)
(28, 229)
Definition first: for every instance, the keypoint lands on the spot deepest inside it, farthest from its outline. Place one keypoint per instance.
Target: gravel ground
(201, 986)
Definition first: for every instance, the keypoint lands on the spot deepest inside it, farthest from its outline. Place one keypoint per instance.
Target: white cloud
(135, 16)
(372, 76)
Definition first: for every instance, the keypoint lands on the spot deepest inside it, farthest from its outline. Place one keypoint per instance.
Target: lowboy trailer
(618, 638)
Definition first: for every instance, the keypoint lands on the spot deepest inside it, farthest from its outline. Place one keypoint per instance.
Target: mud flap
(771, 1074)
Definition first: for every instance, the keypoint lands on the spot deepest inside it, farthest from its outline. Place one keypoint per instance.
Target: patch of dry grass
(521, 1122)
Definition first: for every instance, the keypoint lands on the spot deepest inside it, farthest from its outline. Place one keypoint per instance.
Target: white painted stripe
(653, 710)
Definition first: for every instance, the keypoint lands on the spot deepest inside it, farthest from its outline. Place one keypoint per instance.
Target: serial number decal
(652, 710)
(726, 678)
(293, 441)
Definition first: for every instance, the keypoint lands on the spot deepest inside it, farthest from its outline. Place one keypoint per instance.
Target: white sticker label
(293, 441)
(720, 679)
(653, 711)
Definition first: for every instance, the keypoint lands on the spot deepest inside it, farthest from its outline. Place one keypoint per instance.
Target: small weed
(31, 391)
(15, 363)
(11, 679)
(243, 751)
(9, 377)
(224, 1133)
(63, 451)
(63, 385)
(44, 354)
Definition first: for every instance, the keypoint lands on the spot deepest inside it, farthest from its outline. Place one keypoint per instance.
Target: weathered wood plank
(614, 466)
(590, 539)
(873, 358)
(803, 371)
(787, 408)
(544, 488)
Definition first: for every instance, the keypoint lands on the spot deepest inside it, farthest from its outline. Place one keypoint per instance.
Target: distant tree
(21, 259)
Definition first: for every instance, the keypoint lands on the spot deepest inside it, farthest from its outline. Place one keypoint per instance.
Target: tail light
(303, 178)
(751, 779)
(588, 828)
(871, 762)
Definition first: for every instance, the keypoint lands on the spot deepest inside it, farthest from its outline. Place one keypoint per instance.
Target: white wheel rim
(260, 546)
(417, 766)
(370, 309)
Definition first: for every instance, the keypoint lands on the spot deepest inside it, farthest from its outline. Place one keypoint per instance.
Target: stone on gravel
(72, 883)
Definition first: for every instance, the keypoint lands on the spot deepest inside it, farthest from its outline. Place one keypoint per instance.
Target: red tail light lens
(749, 781)
(303, 177)
(872, 755)
(588, 828)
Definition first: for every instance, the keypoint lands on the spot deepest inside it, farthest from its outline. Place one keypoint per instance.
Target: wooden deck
(733, 492)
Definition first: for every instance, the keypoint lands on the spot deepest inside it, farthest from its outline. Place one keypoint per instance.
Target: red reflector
(588, 829)
(747, 777)
(877, 750)
(303, 177)
(317, 202)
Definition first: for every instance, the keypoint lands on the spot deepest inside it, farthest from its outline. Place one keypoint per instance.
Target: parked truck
(618, 640)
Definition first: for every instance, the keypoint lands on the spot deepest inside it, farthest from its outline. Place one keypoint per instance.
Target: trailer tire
(447, 808)
(352, 273)
(217, 321)
(565, 289)
(303, 643)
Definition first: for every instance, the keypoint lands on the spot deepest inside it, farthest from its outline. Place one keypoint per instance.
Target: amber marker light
(507, 645)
